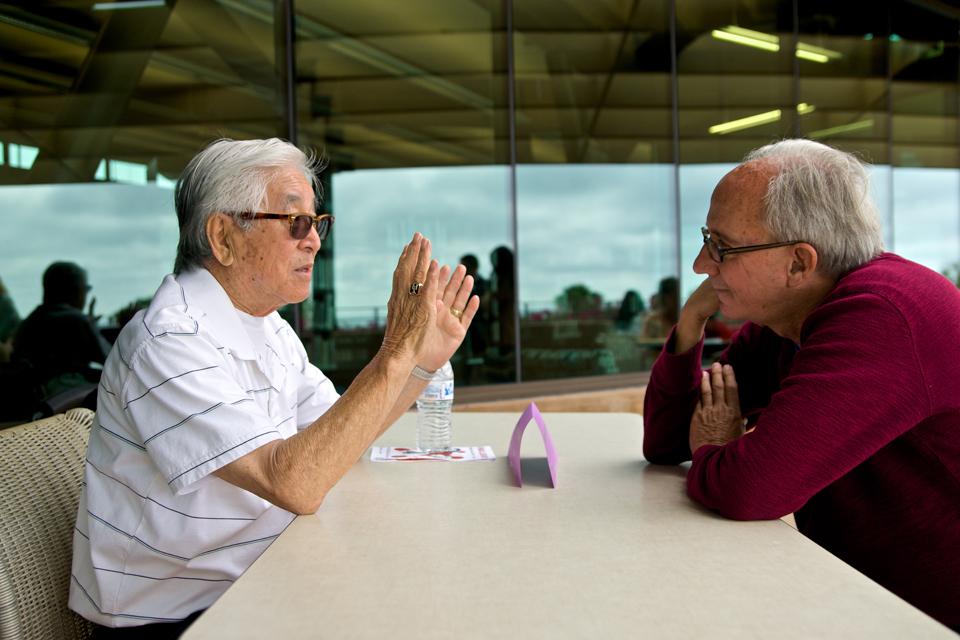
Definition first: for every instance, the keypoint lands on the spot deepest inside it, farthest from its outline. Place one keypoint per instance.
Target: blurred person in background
(58, 339)
(9, 321)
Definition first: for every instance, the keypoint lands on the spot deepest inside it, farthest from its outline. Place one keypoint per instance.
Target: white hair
(821, 195)
(229, 176)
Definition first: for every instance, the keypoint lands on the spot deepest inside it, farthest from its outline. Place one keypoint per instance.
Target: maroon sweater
(857, 429)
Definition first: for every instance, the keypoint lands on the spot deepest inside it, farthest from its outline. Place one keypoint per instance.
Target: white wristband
(423, 374)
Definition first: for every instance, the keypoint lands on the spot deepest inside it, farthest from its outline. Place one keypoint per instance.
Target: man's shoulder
(168, 314)
(903, 284)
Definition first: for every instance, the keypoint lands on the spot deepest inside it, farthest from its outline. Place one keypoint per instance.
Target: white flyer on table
(456, 454)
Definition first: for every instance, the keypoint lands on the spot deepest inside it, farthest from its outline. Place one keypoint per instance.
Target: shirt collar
(205, 296)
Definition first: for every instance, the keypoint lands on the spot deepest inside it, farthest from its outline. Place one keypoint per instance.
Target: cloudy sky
(610, 227)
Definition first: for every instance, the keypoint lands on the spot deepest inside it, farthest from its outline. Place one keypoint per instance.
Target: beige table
(442, 550)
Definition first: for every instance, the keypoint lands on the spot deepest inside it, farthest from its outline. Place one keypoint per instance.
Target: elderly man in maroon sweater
(839, 399)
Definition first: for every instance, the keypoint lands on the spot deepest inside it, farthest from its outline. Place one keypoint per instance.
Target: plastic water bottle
(433, 411)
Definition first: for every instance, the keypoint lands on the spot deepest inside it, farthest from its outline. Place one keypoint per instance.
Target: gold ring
(456, 312)
(415, 288)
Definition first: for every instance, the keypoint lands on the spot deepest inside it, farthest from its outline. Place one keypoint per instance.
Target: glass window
(735, 75)
(595, 187)
(924, 63)
(845, 84)
(408, 103)
(571, 159)
(102, 110)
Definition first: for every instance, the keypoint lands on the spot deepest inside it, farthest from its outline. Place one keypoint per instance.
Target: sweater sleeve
(669, 402)
(855, 385)
(674, 389)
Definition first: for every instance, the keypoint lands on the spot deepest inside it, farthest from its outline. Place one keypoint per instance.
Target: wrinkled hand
(450, 329)
(701, 304)
(411, 318)
(717, 418)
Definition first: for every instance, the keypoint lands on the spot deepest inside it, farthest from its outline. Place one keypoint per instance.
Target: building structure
(570, 145)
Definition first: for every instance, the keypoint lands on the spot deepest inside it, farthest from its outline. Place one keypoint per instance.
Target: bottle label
(438, 391)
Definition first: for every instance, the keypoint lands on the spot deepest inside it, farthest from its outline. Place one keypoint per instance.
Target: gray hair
(821, 195)
(230, 176)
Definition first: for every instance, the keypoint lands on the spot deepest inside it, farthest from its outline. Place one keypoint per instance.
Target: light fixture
(816, 54)
(756, 120)
(128, 4)
(748, 37)
(843, 128)
(770, 42)
(745, 123)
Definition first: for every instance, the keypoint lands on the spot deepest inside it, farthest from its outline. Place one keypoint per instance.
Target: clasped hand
(716, 418)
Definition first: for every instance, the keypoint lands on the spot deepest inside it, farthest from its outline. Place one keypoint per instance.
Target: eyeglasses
(717, 253)
(300, 223)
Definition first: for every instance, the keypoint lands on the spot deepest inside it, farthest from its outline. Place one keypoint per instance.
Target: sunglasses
(300, 223)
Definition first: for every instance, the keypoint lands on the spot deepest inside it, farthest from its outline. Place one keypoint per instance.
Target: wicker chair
(41, 468)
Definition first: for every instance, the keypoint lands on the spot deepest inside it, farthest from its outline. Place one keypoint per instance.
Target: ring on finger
(457, 313)
(415, 288)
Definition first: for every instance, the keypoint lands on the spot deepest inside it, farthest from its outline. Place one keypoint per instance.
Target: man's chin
(730, 312)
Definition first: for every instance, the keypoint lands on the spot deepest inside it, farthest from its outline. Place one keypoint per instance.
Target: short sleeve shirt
(191, 385)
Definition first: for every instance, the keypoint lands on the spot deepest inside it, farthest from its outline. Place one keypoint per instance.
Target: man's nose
(311, 241)
(703, 263)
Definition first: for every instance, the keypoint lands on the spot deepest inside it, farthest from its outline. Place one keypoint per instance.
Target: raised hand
(94, 318)
(412, 308)
(455, 311)
(698, 308)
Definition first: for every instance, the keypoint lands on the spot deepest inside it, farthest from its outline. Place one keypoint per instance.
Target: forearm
(689, 332)
(668, 405)
(411, 391)
(305, 467)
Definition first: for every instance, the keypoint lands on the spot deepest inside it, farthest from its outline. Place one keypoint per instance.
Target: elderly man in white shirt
(213, 428)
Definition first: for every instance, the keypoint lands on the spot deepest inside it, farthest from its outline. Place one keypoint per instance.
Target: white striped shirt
(191, 385)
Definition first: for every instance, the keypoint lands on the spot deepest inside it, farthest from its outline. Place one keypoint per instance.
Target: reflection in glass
(463, 210)
(926, 207)
(418, 89)
(589, 235)
(101, 110)
(623, 121)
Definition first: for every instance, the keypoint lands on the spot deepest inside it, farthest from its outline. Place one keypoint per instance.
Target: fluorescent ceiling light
(128, 4)
(816, 54)
(770, 42)
(745, 123)
(813, 57)
(756, 120)
(747, 40)
(843, 128)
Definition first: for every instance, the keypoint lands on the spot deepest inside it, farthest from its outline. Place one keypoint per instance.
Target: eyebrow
(294, 199)
(717, 235)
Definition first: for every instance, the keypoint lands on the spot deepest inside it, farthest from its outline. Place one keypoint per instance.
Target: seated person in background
(58, 338)
(480, 327)
(9, 321)
(663, 309)
(213, 428)
(845, 373)
(630, 311)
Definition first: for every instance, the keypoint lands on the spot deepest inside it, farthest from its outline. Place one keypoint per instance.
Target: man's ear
(220, 228)
(803, 263)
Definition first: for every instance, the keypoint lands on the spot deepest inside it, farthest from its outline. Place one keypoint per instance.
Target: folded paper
(513, 454)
